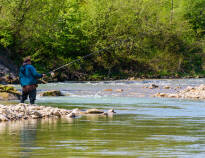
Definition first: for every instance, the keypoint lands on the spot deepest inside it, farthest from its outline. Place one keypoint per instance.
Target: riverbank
(9, 74)
(10, 78)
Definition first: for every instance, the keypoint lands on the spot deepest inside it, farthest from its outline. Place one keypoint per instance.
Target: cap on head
(26, 59)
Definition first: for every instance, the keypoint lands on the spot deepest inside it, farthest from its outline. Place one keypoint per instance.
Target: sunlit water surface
(142, 127)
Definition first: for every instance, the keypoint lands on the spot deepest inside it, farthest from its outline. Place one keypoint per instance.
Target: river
(142, 127)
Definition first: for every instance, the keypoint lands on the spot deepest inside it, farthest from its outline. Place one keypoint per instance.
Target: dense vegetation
(150, 38)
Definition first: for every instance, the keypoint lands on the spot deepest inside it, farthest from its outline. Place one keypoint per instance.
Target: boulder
(9, 96)
(52, 93)
(8, 92)
(94, 111)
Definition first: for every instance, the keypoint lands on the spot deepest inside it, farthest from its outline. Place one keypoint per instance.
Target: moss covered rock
(52, 93)
(8, 92)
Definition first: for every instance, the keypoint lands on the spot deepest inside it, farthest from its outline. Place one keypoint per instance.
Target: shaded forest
(136, 38)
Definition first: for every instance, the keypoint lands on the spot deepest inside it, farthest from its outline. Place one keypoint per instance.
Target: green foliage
(134, 38)
(195, 14)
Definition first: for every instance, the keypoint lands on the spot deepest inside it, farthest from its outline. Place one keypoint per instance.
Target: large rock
(8, 96)
(94, 111)
(9, 93)
(52, 93)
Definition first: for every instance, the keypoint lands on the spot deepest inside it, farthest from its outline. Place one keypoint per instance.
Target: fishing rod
(99, 51)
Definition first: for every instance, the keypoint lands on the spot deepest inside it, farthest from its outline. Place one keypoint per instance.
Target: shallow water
(142, 127)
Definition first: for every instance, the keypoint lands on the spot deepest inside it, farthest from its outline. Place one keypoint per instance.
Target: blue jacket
(28, 75)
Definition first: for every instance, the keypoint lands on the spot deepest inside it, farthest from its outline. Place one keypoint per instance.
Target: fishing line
(101, 50)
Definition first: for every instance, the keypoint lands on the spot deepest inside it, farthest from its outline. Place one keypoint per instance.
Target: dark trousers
(31, 94)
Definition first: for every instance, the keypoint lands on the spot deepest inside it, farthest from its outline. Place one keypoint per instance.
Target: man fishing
(28, 79)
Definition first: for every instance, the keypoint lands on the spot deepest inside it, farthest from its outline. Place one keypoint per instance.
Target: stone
(119, 90)
(108, 90)
(37, 114)
(111, 111)
(52, 93)
(166, 87)
(189, 88)
(8, 92)
(160, 95)
(172, 95)
(34, 117)
(94, 111)
(71, 115)
(76, 111)
(131, 78)
(202, 87)
(3, 118)
(57, 113)
(8, 96)
(152, 86)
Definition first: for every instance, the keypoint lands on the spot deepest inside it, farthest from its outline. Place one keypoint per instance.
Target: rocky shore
(187, 93)
(26, 111)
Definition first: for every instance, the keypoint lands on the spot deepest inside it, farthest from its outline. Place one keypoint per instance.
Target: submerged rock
(52, 93)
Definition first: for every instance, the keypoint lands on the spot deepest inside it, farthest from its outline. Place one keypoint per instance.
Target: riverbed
(142, 127)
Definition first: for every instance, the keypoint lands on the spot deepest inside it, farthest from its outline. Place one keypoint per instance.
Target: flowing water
(142, 127)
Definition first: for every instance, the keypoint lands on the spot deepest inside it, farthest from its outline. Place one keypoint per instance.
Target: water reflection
(28, 138)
